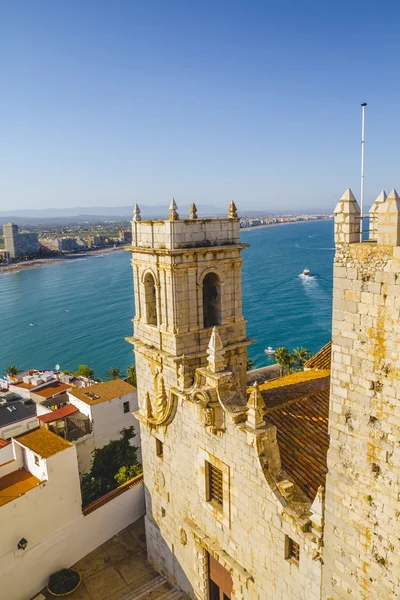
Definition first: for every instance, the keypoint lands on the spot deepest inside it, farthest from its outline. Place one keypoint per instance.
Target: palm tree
(285, 359)
(250, 364)
(301, 356)
(131, 371)
(114, 373)
(12, 370)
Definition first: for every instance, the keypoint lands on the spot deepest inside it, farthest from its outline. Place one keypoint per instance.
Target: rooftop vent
(92, 396)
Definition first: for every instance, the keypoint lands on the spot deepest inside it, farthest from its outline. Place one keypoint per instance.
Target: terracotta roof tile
(102, 392)
(321, 360)
(43, 442)
(296, 385)
(55, 387)
(60, 413)
(302, 433)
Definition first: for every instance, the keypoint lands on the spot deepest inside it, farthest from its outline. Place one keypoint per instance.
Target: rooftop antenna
(363, 105)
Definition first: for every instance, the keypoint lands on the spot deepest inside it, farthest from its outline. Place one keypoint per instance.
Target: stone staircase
(157, 589)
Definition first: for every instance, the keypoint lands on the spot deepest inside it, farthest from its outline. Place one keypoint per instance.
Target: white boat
(269, 350)
(306, 273)
(31, 324)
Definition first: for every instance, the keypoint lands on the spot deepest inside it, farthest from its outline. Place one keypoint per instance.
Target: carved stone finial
(173, 214)
(148, 408)
(373, 215)
(255, 408)
(215, 351)
(347, 219)
(317, 511)
(136, 213)
(193, 212)
(232, 212)
(389, 220)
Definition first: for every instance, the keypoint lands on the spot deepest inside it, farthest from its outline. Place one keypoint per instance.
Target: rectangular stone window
(292, 550)
(126, 407)
(159, 447)
(214, 485)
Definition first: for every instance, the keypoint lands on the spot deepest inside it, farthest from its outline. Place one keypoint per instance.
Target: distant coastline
(262, 225)
(39, 262)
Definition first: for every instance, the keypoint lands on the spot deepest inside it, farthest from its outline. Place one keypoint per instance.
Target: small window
(126, 407)
(214, 485)
(292, 550)
(159, 447)
(37, 461)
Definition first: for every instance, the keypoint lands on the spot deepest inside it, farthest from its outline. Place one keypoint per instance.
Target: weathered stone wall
(248, 537)
(362, 527)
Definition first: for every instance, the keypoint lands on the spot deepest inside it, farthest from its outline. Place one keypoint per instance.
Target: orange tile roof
(22, 384)
(321, 360)
(296, 385)
(55, 387)
(16, 484)
(302, 433)
(60, 413)
(43, 442)
(102, 392)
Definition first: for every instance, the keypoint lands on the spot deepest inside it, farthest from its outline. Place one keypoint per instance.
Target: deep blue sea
(83, 308)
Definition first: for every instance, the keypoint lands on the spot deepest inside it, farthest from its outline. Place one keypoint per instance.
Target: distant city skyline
(112, 103)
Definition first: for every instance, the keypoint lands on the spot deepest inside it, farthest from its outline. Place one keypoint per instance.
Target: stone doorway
(219, 581)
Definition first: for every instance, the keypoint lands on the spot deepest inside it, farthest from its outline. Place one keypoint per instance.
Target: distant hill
(149, 212)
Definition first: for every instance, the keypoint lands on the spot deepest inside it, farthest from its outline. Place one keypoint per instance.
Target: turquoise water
(83, 308)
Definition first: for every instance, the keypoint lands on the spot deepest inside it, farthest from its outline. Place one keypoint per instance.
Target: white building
(109, 408)
(43, 527)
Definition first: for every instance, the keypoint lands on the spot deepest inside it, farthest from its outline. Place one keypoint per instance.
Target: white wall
(108, 418)
(24, 573)
(84, 450)
(45, 509)
(10, 459)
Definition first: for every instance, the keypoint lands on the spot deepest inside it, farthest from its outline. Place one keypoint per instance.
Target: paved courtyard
(118, 570)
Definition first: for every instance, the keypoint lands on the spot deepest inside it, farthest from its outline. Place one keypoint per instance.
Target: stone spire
(193, 212)
(256, 408)
(373, 215)
(347, 216)
(136, 213)
(232, 211)
(173, 214)
(215, 351)
(389, 220)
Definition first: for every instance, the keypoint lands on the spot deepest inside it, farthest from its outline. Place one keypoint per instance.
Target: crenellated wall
(362, 506)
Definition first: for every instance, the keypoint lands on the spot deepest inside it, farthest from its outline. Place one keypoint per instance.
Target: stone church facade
(239, 503)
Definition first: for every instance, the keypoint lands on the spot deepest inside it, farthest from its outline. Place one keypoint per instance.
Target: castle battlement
(384, 217)
(175, 233)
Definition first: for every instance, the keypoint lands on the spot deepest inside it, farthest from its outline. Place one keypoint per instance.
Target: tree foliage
(131, 372)
(85, 371)
(112, 465)
(250, 364)
(114, 373)
(291, 361)
(12, 370)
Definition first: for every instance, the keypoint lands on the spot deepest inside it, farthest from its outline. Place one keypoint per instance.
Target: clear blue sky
(111, 103)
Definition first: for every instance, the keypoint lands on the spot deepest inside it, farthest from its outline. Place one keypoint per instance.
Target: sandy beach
(39, 262)
(278, 224)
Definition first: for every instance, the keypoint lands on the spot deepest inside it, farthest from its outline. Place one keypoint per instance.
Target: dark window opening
(293, 550)
(211, 300)
(150, 299)
(159, 447)
(214, 485)
(126, 407)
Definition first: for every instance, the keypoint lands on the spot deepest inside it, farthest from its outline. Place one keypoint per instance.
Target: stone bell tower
(362, 503)
(187, 279)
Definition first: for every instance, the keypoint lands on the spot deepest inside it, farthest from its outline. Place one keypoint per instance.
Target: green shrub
(63, 581)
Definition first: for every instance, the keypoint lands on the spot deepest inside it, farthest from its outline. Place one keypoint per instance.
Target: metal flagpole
(363, 105)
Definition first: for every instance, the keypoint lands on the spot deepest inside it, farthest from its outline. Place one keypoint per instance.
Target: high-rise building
(19, 244)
